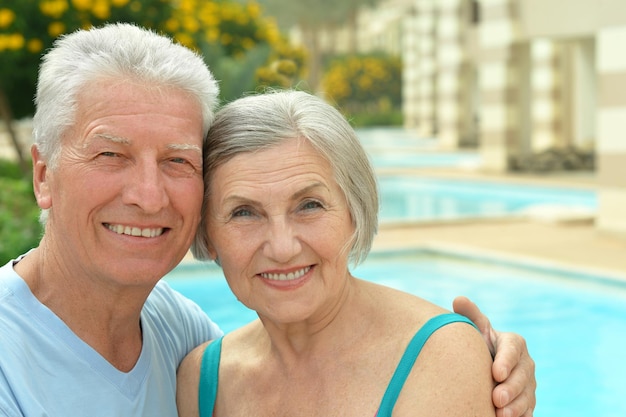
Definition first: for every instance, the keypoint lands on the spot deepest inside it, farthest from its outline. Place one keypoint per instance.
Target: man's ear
(41, 184)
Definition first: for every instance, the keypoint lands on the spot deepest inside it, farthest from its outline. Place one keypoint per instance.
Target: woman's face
(281, 228)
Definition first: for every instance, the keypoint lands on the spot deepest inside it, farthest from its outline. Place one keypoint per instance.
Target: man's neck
(106, 319)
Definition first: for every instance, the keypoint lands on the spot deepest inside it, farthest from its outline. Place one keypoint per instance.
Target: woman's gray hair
(257, 122)
(118, 51)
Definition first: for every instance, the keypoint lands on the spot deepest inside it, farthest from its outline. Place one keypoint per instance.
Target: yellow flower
(185, 39)
(242, 19)
(119, 3)
(286, 67)
(190, 24)
(15, 41)
(135, 6)
(34, 45)
(53, 8)
(212, 35)
(7, 16)
(208, 17)
(188, 6)
(101, 9)
(172, 25)
(56, 28)
(253, 9)
(82, 5)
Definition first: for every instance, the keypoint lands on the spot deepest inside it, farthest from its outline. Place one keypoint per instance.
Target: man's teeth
(135, 231)
(286, 277)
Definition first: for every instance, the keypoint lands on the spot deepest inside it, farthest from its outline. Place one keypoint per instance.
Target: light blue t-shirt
(46, 370)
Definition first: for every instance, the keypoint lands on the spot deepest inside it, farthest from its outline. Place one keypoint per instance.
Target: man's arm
(513, 368)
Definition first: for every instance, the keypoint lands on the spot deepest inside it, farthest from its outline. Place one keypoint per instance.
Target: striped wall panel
(426, 26)
(410, 70)
(498, 78)
(611, 143)
(546, 94)
(453, 114)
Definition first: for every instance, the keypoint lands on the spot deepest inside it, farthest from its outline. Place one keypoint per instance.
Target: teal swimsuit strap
(209, 375)
(410, 356)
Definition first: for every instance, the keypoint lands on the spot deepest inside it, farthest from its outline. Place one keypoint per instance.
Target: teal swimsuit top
(209, 369)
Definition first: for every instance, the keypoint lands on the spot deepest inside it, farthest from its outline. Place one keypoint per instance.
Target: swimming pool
(401, 148)
(420, 198)
(574, 323)
(423, 199)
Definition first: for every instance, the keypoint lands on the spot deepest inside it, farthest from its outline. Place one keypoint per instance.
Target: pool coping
(597, 275)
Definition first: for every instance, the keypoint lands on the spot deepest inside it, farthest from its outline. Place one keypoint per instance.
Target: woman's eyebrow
(298, 194)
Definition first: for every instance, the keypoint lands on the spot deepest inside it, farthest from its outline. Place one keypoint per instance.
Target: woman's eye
(242, 212)
(311, 205)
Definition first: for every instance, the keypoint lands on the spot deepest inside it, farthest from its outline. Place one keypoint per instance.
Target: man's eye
(110, 154)
(179, 160)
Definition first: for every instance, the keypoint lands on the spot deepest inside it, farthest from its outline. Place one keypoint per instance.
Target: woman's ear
(41, 179)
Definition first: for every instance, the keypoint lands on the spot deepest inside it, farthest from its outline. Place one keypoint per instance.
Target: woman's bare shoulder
(188, 381)
(455, 361)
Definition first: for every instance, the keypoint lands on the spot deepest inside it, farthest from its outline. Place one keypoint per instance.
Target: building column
(499, 78)
(546, 83)
(454, 111)
(410, 69)
(611, 142)
(426, 26)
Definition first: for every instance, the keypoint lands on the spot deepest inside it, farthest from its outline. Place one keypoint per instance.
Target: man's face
(126, 193)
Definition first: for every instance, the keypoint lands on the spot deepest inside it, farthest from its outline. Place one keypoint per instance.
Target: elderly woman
(291, 203)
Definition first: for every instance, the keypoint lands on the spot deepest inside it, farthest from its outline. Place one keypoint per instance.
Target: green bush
(9, 169)
(365, 87)
(372, 119)
(19, 215)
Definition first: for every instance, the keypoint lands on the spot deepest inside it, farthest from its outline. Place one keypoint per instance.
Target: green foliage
(19, 214)
(9, 169)
(29, 27)
(284, 69)
(368, 88)
(390, 118)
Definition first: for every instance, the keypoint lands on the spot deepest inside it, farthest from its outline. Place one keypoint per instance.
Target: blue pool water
(400, 148)
(423, 199)
(575, 324)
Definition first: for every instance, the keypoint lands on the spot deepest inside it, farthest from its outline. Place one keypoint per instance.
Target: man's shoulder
(167, 308)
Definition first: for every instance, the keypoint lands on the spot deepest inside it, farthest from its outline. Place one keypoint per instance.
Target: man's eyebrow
(172, 146)
(113, 138)
(184, 147)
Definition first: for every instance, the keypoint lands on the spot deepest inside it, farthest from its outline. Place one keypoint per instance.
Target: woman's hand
(513, 368)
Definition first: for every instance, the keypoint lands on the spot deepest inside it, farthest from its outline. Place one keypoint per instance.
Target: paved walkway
(580, 246)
